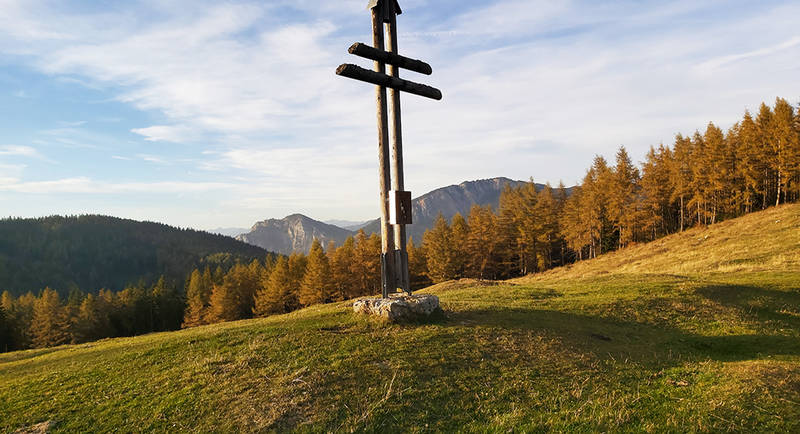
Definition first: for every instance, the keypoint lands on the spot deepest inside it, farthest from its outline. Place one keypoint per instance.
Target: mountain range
(296, 232)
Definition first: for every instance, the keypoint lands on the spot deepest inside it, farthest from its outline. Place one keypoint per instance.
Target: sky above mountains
(207, 113)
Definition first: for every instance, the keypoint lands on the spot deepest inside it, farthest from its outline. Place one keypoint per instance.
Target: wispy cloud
(244, 91)
(20, 151)
(709, 66)
(85, 185)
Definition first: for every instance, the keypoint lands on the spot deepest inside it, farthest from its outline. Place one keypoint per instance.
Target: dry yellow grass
(731, 246)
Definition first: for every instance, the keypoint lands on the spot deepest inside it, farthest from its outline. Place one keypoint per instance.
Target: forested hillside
(95, 252)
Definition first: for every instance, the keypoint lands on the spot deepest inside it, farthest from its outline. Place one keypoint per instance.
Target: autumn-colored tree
(793, 159)
(316, 286)
(366, 264)
(198, 296)
(764, 124)
(681, 176)
(518, 215)
(276, 295)
(343, 281)
(460, 232)
(597, 184)
(439, 251)
(752, 166)
(574, 224)
(784, 141)
(417, 266)
(547, 226)
(623, 195)
(233, 299)
(50, 326)
(656, 193)
(710, 168)
(482, 243)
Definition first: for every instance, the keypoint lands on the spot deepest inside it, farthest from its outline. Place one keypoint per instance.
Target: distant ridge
(347, 224)
(295, 233)
(452, 200)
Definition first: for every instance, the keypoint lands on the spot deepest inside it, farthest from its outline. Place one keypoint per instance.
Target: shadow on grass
(27, 354)
(764, 304)
(610, 338)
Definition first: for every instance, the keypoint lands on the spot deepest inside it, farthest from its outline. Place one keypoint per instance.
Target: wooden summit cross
(395, 202)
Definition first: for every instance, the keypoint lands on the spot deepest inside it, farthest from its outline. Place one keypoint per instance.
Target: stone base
(399, 307)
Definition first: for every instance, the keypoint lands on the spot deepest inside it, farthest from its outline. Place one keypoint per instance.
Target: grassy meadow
(699, 331)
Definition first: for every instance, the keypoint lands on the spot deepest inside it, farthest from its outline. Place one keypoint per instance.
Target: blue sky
(216, 114)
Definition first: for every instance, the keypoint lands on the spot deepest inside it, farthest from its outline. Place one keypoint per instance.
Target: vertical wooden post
(388, 279)
(398, 182)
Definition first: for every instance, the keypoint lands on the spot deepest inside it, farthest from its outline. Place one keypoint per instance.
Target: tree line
(45, 320)
(699, 180)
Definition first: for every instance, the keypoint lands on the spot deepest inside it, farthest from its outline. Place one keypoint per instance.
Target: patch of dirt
(39, 428)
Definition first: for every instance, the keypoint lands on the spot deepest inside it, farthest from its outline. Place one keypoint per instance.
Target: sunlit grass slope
(763, 241)
(697, 332)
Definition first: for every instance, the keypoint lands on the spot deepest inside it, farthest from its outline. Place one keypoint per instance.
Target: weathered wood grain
(390, 57)
(358, 73)
(384, 168)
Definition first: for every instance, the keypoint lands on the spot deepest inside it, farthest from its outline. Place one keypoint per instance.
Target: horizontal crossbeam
(368, 52)
(358, 73)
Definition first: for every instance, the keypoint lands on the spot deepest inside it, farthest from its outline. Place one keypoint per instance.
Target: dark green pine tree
(6, 344)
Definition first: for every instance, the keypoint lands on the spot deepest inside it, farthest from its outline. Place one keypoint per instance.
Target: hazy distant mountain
(94, 252)
(294, 233)
(347, 224)
(297, 232)
(449, 201)
(229, 232)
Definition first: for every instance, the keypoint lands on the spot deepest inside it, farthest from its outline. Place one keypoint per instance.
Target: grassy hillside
(93, 252)
(691, 333)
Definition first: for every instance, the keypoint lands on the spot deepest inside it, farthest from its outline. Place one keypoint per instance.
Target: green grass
(573, 350)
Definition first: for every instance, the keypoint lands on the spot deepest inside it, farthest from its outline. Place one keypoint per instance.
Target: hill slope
(93, 252)
(645, 348)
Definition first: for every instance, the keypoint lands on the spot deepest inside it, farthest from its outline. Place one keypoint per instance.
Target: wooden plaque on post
(400, 207)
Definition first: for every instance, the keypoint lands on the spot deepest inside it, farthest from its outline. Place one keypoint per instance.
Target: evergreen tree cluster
(31, 321)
